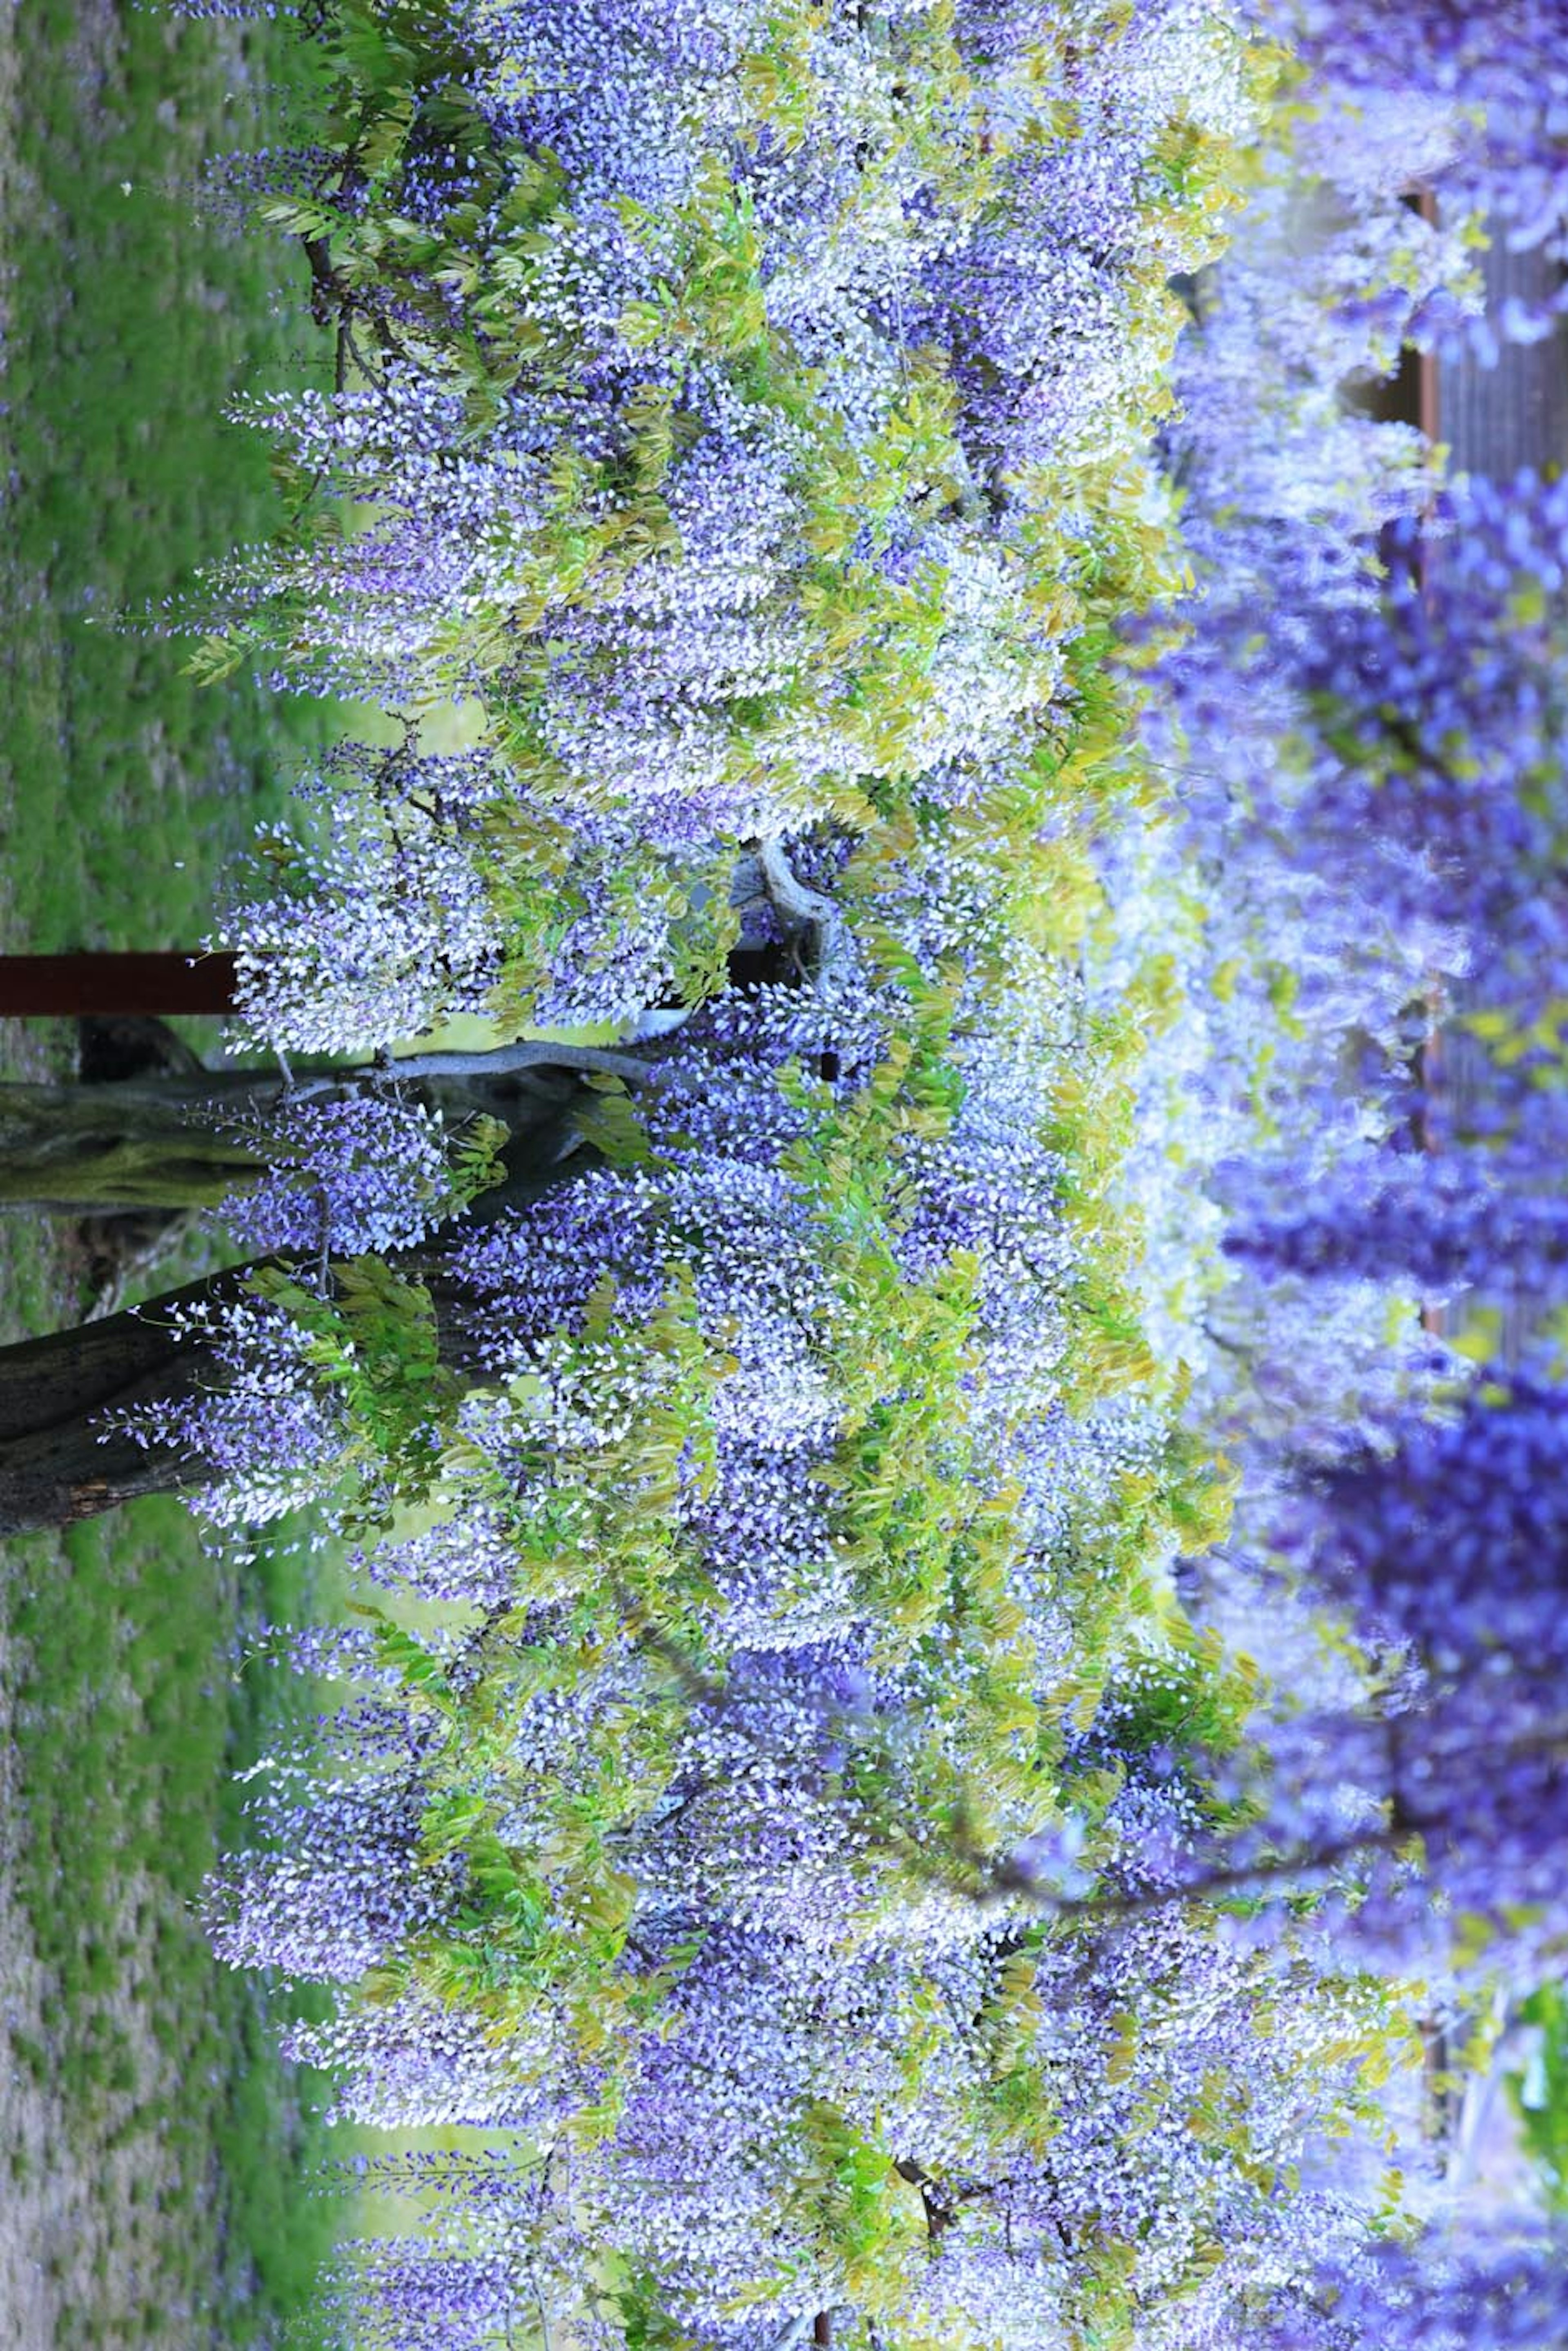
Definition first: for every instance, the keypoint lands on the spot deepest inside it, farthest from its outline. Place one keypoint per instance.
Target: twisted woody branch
(185, 1136)
(173, 1141)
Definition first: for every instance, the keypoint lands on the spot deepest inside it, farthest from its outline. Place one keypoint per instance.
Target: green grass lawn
(130, 330)
(154, 2154)
(171, 2116)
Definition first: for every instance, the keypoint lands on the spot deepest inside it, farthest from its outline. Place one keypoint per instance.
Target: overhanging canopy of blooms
(1007, 766)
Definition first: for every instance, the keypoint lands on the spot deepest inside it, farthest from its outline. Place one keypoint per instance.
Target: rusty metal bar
(36, 986)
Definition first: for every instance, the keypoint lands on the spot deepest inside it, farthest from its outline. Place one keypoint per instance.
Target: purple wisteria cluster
(1468, 1218)
(365, 1173)
(725, 1670)
(818, 1850)
(1442, 721)
(1450, 1551)
(721, 389)
(1498, 87)
(1361, 732)
(1480, 2289)
(267, 1430)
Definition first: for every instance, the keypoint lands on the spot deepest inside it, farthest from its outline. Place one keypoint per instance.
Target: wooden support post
(71, 987)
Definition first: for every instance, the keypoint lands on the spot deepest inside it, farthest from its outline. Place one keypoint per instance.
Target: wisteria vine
(1008, 769)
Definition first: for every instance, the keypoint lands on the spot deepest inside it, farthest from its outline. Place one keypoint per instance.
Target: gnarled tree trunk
(164, 1139)
(57, 1464)
(187, 1138)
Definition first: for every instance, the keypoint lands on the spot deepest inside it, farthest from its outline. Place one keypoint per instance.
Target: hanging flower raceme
(813, 1834)
(366, 1172)
(1502, 88)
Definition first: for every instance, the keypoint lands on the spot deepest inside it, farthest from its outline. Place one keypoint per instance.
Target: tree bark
(58, 1465)
(68, 1144)
(55, 1465)
(174, 1140)
(160, 1141)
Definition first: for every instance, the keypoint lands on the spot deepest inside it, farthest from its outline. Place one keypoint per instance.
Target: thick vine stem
(189, 1137)
(506, 1061)
(975, 503)
(799, 2330)
(806, 915)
